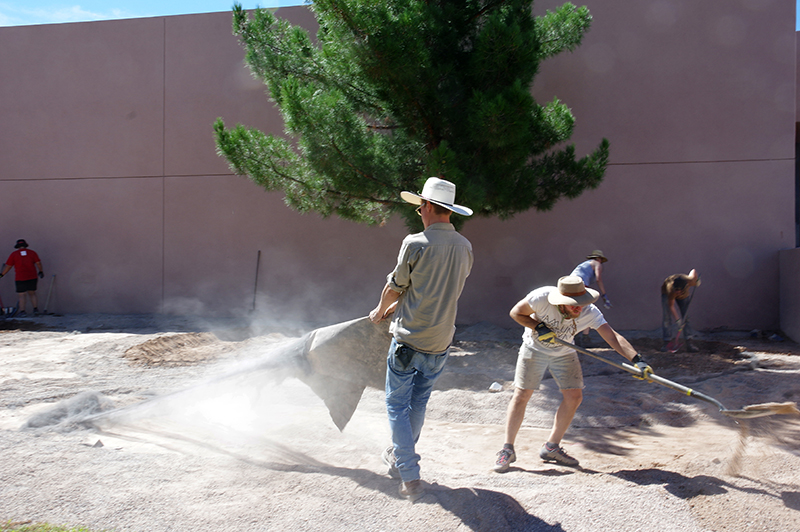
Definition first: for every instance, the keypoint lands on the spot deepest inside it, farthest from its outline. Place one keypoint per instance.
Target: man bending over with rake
(546, 313)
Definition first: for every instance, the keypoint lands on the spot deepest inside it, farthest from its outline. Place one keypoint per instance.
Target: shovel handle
(652, 376)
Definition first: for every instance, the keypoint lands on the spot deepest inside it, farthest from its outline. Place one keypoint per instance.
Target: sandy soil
(202, 440)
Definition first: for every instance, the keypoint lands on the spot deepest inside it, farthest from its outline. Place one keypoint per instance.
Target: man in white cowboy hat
(545, 313)
(421, 295)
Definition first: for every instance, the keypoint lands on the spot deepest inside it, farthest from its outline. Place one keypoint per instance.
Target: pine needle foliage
(391, 92)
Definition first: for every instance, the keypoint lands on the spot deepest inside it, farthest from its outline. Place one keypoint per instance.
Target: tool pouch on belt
(403, 354)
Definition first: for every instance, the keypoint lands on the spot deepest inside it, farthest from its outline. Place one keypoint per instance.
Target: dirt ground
(203, 438)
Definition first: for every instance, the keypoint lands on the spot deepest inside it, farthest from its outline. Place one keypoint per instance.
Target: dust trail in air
(273, 396)
(777, 423)
(221, 396)
(735, 461)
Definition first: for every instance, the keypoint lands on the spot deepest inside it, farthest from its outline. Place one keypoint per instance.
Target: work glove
(642, 366)
(545, 334)
(606, 302)
(41, 275)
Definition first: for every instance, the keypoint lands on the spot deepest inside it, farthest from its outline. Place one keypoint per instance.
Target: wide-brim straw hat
(572, 291)
(440, 192)
(597, 254)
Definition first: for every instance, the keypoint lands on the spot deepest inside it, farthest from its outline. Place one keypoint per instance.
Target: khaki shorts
(531, 365)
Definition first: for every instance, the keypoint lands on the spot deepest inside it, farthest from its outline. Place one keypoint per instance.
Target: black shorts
(27, 286)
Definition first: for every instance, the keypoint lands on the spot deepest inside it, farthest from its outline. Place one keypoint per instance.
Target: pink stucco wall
(108, 169)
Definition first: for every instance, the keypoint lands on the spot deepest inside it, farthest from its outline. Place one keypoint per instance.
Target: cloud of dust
(251, 404)
(300, 294)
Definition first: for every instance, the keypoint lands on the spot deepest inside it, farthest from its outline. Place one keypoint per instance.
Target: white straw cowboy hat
(572, 291)
(440, 192)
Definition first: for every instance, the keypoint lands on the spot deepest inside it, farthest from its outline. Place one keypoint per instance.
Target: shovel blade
(675, 344)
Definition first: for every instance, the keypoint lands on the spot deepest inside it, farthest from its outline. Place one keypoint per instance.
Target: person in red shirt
(25, 263)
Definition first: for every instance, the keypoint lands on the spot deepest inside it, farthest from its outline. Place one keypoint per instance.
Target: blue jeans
(410, 376)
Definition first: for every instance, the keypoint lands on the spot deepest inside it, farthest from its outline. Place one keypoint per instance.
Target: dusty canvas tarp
(342, 360)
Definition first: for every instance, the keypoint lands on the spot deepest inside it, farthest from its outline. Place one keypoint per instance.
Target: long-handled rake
(750, 411)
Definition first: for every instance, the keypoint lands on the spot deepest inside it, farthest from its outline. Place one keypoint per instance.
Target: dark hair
(679, 283)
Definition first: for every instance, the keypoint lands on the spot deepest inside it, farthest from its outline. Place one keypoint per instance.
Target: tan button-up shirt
(432, 267)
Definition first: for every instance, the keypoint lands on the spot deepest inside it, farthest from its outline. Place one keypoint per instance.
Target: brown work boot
(412, 490)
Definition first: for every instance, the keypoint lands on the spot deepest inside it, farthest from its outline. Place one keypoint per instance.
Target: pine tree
(395, 91)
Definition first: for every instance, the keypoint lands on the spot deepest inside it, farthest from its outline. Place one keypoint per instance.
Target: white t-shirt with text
(565, 328)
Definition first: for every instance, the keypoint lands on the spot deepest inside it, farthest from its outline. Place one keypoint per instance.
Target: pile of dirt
(179, 350)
